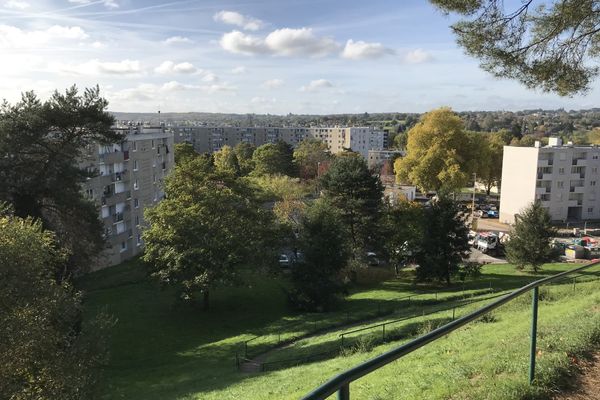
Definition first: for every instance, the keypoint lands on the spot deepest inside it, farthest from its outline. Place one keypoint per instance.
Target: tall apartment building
(129, 180)
(338, 139)
(564, 178)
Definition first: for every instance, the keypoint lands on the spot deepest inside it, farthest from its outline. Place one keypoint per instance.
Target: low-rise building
(564, 178)
(377, 158)
(129, 179)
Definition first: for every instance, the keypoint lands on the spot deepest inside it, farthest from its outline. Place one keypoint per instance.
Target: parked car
(372, 259)
(284, 260)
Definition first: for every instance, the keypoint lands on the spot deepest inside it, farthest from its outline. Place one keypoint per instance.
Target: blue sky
(299, 56)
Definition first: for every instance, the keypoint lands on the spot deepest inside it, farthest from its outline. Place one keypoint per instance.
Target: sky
(272, 56)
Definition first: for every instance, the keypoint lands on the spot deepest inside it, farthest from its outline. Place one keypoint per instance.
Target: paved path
(588, 384)
(479, 257)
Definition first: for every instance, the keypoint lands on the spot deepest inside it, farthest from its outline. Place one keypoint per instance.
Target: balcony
(545, 163)
(120, 176)
(580, 162)
(118, 217)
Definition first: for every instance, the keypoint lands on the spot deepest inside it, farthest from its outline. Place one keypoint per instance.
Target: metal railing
(341, 382)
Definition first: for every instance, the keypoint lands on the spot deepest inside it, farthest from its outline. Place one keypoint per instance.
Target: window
(152, 143)
(154, 178)
(560, 184)
(590, 210)
(592, 183)
(134, 146)
(594, 170)
(561, 171)
(136, 185)
(137, 219)
(135, 164)
(594, 156)
(136, 203)
(123, 246)
(139, 239)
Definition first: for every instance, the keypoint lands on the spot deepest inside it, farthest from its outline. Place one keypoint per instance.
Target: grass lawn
(161, 350)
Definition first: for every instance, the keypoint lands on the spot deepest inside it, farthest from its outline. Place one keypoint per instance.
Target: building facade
(377, 158)
(129, 179)
(564, 178)
(338, 139)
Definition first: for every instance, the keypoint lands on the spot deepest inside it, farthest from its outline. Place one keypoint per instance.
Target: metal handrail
(341, 382)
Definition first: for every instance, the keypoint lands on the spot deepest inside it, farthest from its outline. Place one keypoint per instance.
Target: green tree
(403, 224)
(488, 150)
(437, 157)
(401, 140)
(317, 279)
(350, 187)
(209, 226)
(308, 155)
(184, 152)
(41, 144)
(226, 161)
(444, 245)
(46, 350)
(530, 238)
(243, 152)
(273, 158)
(553, 46)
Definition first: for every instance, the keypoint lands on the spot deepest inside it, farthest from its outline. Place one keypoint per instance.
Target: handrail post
(246, 350)
(383, 332)
(344, 392)
(534, 317)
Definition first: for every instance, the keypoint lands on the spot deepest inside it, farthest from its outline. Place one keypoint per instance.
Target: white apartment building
(129, 180)
(338, 139)
(564, 178)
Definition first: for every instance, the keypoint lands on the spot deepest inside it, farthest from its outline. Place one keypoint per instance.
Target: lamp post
(473, 201)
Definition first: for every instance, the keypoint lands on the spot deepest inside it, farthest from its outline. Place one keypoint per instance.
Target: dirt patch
(588, 384)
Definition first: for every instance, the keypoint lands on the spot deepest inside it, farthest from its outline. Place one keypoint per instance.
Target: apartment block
(130, 179)
(564, 178)
(338, 139)
(377, 158)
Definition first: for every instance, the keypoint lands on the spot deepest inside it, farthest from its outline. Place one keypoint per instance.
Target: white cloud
(243, 21)
(418, 56)
(239, 70)
(281, 42)
(209, 77)
(221, 87)
(295, 42)
(174, 40)
(273, 83)
(107, 3)
(169, 67)
(362, 50)
(96, 67)
(17, 4)
(240, 43)
(98, 45)
(13, 37)
(316, 85)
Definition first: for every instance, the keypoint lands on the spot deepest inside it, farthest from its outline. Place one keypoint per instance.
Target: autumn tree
(438, 155)
(350, 187)
(273, 158)
(184, 152)
(488, 150)
(530, 238)
(226, 161)
(41, 144)
(551, 45)
(209, 226)
(47, 350)
(308, 155)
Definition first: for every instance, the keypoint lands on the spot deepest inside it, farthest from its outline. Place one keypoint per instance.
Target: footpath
(587, 386)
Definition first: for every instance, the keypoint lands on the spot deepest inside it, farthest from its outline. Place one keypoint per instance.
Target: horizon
(263, 57)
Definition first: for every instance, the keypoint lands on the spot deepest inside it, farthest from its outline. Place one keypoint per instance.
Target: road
(479, 257)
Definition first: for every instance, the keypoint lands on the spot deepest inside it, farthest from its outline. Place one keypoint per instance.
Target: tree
(437, 157)
(308, 155)
(184, 152)
(445, 244)
(209, 226)
(553, 47)
(488, 150)
(46, 350)
(273, 159)
(323, 242)
(401, 140)
(530, 238)
(403, 224)
(226, 161)
(243, 152)
(350, 187)
(41, 144)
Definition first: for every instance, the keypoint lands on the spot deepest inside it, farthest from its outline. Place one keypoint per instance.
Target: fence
(341, 382)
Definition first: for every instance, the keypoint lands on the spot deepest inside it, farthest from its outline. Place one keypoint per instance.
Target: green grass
(161, 350)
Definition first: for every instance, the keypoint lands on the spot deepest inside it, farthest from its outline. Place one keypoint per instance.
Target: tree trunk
(205, 301)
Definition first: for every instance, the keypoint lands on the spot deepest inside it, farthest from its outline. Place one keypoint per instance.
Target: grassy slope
(161, 351)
